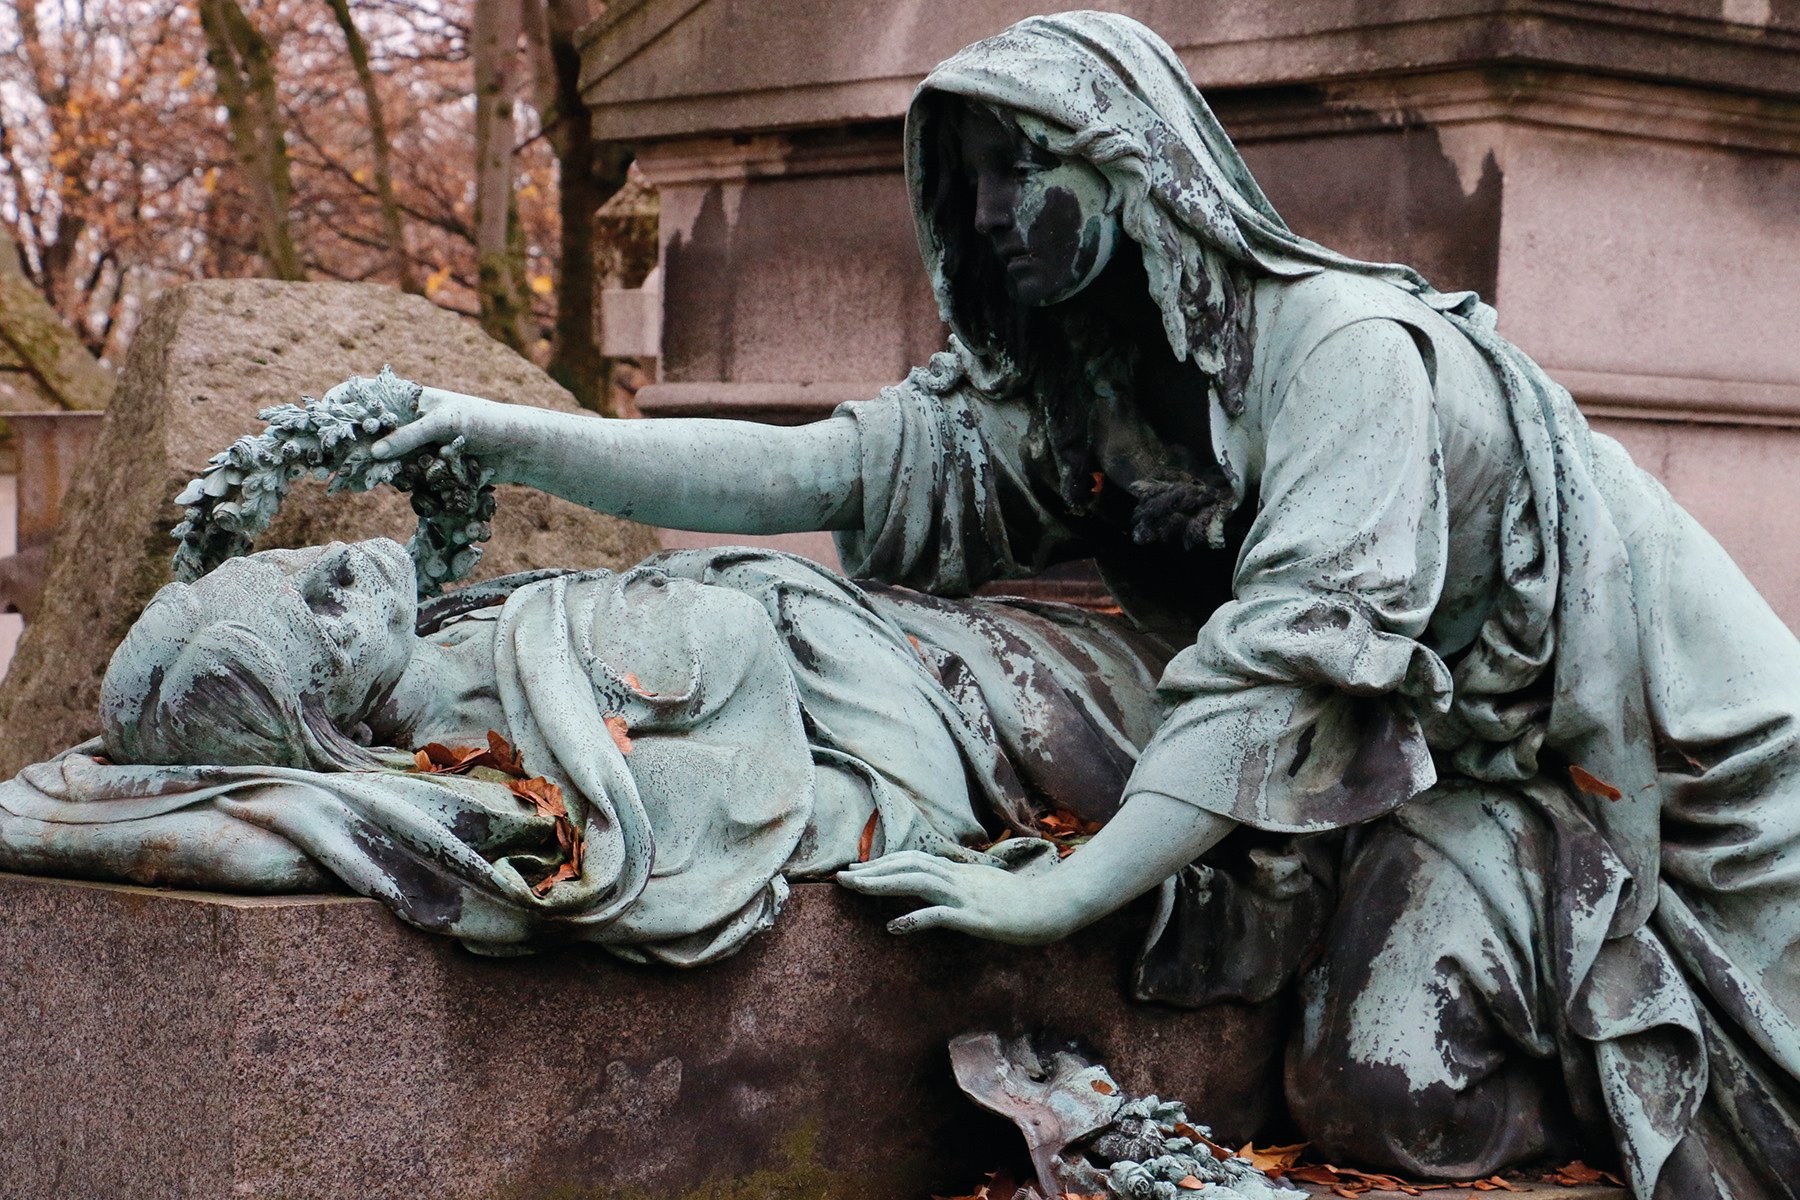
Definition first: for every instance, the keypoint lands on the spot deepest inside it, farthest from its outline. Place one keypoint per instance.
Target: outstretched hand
(984, 901)
(494, 433)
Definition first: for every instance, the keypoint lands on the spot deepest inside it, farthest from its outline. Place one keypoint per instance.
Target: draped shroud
(684, 844)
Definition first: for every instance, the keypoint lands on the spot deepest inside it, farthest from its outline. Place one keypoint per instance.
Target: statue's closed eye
(323, 603)
(323, 593)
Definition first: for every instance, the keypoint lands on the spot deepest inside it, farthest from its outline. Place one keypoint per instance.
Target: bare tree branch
(243, 65)
(400, 260)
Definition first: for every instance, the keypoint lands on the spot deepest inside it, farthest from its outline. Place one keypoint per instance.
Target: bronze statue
(1462, 728)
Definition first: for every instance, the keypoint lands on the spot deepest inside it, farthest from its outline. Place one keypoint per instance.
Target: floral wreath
(239, 491)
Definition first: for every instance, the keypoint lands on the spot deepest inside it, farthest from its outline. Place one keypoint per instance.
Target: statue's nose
(993, 207)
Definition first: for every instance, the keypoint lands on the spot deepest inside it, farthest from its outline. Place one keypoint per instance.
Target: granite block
(192, 1045)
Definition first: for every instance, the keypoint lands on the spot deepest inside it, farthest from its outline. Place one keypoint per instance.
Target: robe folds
(749, 683)
(1451, 614)
(1510, 738)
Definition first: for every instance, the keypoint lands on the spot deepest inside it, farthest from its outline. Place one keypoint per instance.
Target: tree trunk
(494, 47)
(33, 336)
(243, 65)
(57, 240)
(383, 149)
(589, 173)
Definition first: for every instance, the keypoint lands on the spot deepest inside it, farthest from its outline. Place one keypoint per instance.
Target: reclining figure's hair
(192, 687)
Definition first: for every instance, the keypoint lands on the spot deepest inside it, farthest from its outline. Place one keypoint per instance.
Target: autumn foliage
(543, 796)
(1284, 1162)
(148, 142)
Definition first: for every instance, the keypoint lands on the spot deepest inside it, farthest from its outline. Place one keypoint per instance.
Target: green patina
(795, 1172)
(1477, 689)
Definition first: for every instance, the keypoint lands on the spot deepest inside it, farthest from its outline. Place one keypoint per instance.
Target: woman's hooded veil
(1104, 88)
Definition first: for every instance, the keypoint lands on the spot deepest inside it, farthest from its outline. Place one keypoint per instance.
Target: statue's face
(1050, 220)
(342, 615)
(363, 597)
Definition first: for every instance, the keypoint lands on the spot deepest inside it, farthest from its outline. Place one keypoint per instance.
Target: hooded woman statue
(1464, 730)
(1508, 704)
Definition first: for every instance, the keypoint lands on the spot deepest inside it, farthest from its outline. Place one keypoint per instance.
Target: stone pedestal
(185, 1045)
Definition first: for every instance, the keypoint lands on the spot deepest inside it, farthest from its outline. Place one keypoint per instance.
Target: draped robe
(748, 685)
(1513, 736)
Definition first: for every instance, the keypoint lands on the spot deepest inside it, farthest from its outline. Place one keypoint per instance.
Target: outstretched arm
(705, 475)
(1150, 838)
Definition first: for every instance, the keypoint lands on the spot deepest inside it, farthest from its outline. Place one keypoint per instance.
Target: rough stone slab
(206, 359)
(186, 1045)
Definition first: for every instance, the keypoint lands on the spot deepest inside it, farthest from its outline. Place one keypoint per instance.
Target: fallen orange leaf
(1063, 823)
(1273, 1160)
(564, 871)
(1578, 1173)
(1593, 785)
(1190, 1183)
(631, 681)
(505, 756)
(615, 725)
(866, 843)
(542, 795)
(439, 759)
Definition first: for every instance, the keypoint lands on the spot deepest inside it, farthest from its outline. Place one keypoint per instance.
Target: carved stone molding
(1520, 96)
(654, 69)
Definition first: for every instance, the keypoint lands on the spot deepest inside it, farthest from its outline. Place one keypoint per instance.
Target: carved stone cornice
(656, 69)
(1519, 96)
(708, 160)
(1678, 398)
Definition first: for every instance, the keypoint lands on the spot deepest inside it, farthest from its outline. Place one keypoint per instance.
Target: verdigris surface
(236, 497)
(1087, 1137)
(673, 742)
(1465, 730)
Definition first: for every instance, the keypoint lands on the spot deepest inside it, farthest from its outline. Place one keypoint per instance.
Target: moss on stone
(796, 1174)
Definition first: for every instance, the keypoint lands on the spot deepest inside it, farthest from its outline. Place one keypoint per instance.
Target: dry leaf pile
(1283, 1162)
(1579, 1174)
(543, 796)
(1346, 1181)
(1066, 830)
(1061, 828)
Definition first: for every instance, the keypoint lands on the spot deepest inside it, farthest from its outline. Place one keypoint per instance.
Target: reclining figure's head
(269, 660)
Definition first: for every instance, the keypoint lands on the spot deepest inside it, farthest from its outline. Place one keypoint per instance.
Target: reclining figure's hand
(985, 901)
